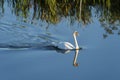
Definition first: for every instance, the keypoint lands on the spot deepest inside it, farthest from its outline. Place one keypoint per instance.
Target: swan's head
(76, 33)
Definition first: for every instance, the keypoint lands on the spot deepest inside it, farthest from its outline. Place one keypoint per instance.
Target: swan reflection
(75, 59)
(75, 63)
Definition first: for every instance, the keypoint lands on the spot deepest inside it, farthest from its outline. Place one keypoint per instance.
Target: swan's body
(67, 45)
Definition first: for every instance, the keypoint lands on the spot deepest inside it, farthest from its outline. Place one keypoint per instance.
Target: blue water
(98, 60)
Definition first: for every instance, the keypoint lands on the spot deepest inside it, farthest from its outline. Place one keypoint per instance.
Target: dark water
(98, 60)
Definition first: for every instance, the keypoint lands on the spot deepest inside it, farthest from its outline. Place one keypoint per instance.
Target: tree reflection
(1, 7)
(52, 11)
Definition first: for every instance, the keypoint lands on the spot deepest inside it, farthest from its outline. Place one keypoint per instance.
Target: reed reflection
(52, 12)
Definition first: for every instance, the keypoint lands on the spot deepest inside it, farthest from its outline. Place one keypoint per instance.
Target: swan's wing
(69, 45)
(65, 45)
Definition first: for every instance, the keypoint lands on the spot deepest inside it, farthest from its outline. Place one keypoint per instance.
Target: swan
(69, 46)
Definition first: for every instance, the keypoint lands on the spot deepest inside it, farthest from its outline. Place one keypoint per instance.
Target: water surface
(98, 36)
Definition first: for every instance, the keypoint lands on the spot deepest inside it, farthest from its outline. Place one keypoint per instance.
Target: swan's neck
(76, 43)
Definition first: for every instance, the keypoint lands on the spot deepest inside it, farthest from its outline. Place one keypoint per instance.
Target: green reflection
(52, 11)
(1, 7)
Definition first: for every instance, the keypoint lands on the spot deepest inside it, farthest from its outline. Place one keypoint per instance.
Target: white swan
(67, 45)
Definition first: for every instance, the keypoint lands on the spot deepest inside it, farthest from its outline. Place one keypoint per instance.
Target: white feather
(65, 45)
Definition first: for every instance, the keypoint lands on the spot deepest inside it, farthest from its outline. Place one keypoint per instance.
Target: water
(98, 60)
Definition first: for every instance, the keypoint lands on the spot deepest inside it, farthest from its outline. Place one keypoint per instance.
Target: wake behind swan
(48, 45)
